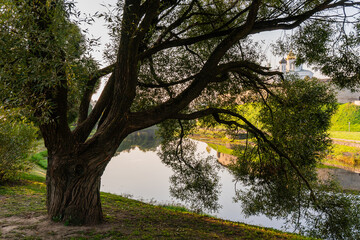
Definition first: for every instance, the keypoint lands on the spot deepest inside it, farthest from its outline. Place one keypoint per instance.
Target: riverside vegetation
(23, 216)
(344, 152)
(23, 213)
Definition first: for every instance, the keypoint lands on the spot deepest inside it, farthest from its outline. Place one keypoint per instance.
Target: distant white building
(287, 66)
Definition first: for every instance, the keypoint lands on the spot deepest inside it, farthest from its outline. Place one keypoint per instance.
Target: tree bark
(73, 190)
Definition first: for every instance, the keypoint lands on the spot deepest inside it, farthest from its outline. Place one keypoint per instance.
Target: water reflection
(225, 159)
(145, 140)
(143, 175)
(347, 180)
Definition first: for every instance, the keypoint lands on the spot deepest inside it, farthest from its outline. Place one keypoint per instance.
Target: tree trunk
(73, 190)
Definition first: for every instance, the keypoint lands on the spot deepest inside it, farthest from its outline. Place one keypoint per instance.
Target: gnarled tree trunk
(73, 190)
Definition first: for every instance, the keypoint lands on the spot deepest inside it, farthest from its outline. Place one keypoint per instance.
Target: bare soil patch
(41, 227)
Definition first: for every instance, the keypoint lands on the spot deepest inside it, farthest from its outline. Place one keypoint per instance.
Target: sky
(98, 29)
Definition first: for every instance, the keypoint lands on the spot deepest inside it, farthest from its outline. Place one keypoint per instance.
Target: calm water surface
(144, 177)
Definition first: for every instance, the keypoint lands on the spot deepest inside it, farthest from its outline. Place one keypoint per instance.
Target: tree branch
(90, 85)
(152, 8)
(262, 135)
(164, 84)
(82, 131)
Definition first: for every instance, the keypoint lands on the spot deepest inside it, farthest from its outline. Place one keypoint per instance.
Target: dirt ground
(29, 227)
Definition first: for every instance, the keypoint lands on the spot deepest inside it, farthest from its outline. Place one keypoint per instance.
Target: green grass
(220, 148)
(341, 149)
(40, 159)
(344, 156)
(345, 135)
(346, 113)
(124, 218)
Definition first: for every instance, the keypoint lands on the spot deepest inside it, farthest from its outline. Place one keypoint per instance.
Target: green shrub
(17, 137)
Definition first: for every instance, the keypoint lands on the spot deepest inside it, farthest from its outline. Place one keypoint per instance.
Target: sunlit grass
(345, 135)
(129, 219)
(344, 156)
(221, 148)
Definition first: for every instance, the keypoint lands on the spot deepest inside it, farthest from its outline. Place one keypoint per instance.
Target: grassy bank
(345, 135)
(23, 216)
(346, 118)
(343, 156)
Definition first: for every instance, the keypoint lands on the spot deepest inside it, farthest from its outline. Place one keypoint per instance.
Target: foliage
(40, 54)
(174, 62)
(17, 137)
(40, 159)
(346, 113)
(282, 179)
(295, 121)
(335, 42)
(195, 180)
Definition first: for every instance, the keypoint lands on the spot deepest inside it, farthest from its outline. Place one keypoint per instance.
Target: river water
(138, 173)
(141, 175)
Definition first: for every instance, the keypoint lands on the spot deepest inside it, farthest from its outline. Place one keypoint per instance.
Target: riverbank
(23, 216)
(344, 153)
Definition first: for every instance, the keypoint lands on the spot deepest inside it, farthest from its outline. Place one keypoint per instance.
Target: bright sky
(98, 29)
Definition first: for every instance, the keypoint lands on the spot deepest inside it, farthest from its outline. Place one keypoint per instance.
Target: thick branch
(164, 84)
(238, 65)
(82, 131)
(152, 8)
(289, 22)
(86, 98)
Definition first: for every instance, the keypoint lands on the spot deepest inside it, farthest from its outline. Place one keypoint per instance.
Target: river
(139, 173)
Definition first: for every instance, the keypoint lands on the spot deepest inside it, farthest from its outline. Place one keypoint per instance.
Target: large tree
(178, 59)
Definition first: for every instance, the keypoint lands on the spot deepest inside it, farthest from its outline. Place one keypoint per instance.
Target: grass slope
(23, 216)
(346, 113)
(345, 135)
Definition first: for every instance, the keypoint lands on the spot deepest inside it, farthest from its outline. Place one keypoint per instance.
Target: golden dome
(291, 55)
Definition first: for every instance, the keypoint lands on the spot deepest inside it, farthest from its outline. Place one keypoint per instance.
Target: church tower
(290, 67)
(282, 67)
(287, 66)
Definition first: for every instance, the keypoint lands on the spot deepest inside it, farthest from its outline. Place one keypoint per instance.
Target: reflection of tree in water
(195, 180)
(278, 194)
(145, 140)
(269, 189)
(334, 215)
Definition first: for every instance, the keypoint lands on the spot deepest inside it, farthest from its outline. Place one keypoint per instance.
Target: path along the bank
(346, 142)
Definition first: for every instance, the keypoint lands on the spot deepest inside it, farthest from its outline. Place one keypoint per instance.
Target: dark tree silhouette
(178, 59)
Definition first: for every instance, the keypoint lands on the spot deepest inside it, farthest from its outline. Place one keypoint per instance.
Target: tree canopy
(170, 62)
